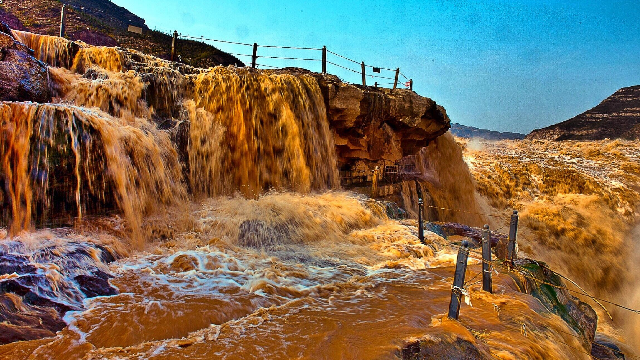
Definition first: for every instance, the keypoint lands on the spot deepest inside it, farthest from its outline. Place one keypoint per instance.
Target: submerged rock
(427, 349)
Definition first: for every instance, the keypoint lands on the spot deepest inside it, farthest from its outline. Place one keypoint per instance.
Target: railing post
(324, 59)
(173, 45)
(395, 82)
(364, 76)
(458, 281)
(254, 57)
(511, 245)
(420, 210)
(62, 13)
(486, 260)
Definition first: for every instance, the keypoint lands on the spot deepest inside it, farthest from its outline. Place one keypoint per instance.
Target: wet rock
(603, 350)
(10, 263)
(96, 284)
(37, 287)
(439, 349)
(259, 234)
(22, 77)
(20, 322)
(537, 279)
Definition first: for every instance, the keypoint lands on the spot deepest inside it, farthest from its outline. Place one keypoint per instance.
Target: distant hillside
(617, 117)
(103, 23)
(473, 132)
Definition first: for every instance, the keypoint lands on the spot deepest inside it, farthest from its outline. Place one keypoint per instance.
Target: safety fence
(489, 261)
(259, 55)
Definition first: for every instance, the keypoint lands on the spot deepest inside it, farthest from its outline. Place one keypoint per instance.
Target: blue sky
(507, 65)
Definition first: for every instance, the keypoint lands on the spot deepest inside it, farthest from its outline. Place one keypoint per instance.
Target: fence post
(62, 13)
(458, 280)
(173, 45)
(420, 210)
(364, 76)
(324, 59)
(411, 84)
(511, 245)
(486, 260)
(395, 82)
(254, 57)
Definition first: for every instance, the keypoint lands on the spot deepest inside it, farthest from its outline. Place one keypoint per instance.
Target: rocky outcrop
(37, 287)
(617, 117)
(22, 77)
(537, 279)
(375, 124)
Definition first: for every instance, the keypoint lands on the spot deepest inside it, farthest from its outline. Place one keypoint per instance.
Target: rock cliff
(380, 124)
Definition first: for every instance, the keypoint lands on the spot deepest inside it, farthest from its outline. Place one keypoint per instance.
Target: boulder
(22, 77)
(535, 278)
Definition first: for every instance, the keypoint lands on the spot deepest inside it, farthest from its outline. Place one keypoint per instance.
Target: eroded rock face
(379, 124)
(537, 279)
(22, 77)
(616, 117)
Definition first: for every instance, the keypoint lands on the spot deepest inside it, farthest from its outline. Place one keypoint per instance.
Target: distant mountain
(103, 23)
(617, 117)
(473, 132)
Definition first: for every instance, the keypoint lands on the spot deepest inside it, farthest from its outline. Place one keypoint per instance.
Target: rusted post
(420, 210)
(324, 59)
(395, 82)
(486, 260)
(511, 245)
(364, 76)
(174, 42)
(458, 281)
(254, 57)
(62, 13)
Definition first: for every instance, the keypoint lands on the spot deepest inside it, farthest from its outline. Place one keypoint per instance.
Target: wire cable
(343, 67)
(285, 58)
(216, 40)
(344, 57)
(289, 47)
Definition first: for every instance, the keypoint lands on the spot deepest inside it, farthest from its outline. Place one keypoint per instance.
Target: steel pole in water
(511, 245)
(486, 260)
(458, 281)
